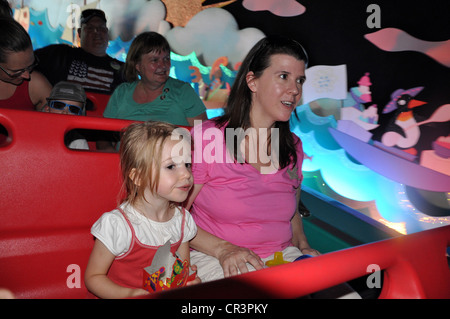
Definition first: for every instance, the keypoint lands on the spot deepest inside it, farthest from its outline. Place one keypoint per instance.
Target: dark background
(333, 33)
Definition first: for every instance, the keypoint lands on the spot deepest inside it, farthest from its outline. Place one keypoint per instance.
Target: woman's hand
(309, 251)
(233, 259)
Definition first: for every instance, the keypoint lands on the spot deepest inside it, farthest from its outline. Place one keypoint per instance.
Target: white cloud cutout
(213, 33)
(132, 17)
(152, 18)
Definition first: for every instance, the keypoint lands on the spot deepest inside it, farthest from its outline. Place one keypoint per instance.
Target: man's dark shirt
(61, 62)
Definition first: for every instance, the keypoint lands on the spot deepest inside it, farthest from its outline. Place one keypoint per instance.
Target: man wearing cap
(88, 65)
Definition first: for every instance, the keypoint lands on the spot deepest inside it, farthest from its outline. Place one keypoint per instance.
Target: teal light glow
(348, 178)
(192, 60)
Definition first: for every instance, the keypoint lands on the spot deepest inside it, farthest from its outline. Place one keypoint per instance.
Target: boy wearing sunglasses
(68, 98)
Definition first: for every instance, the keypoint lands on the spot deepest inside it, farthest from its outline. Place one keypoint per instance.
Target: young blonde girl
(155, 163)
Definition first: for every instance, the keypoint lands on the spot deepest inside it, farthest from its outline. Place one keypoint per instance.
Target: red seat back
(49, 198)
(99, 102)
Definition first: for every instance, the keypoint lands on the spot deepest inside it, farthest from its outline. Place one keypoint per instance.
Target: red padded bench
(414, 267)
(49, 198)
(99, 102)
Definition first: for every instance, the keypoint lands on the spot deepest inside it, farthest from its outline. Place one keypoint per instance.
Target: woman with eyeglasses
(151, 93)
(69, 99)
(20, 87)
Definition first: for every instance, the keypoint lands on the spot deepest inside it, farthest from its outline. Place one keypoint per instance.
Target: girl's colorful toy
(156, 278)
(277, 260)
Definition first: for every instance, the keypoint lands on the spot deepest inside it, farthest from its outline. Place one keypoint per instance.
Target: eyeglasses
(58, 105)
(19, 73)
(90, 28)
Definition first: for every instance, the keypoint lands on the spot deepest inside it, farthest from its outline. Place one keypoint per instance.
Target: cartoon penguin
(402, 129)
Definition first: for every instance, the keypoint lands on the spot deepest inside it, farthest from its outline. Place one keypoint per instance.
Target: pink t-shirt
(239, 204)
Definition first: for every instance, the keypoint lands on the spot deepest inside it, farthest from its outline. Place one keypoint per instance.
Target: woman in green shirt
(150, 93)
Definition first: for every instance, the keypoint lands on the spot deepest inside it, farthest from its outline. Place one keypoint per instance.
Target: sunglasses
(92, 29)
(19, 73)
(58, 105)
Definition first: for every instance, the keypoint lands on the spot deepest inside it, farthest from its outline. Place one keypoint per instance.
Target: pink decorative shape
(282, 8)
(395, 40)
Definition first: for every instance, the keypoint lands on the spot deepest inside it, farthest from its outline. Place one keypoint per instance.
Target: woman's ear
(137, 66)
(251, 78)
(133, 176)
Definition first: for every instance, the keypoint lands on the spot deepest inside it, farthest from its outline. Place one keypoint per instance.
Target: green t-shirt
(177, 102)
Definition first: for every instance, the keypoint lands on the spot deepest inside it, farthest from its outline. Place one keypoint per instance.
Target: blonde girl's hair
(141, 147)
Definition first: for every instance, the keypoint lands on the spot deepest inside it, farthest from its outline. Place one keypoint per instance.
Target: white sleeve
(113, 231)
(190, 228)
(79, 144)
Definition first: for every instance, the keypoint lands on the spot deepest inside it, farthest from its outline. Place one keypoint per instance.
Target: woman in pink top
(247, 167)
